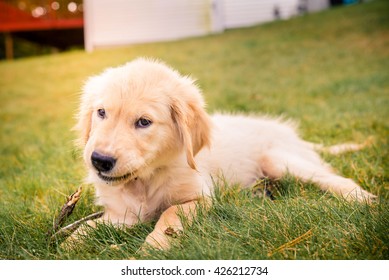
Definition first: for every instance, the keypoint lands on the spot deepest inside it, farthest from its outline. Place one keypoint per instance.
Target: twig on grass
(67, 230)
(66, 211)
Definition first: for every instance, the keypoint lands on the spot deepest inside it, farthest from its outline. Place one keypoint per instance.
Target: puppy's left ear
(84, 122)
(193, 124)
(84, 116)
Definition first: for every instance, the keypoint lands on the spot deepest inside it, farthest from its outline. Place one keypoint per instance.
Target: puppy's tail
(343, 148)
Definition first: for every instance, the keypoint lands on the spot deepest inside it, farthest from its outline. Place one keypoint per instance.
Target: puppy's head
(137, 118)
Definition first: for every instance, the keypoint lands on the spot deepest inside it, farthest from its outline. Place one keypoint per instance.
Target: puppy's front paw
(161, 239)
(76, 238)
(157, 240)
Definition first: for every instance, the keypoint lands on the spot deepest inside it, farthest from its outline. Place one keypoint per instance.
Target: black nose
(102, 163)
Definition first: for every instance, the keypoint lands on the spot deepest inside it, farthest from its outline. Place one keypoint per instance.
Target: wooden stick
(67, 208)
(67, 230)
(66, 211)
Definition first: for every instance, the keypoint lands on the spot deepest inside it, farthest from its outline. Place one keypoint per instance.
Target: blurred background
(48, 26)
(327, 70)
(39, 27)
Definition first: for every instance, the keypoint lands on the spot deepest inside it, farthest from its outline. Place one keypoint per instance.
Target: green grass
(329, 71)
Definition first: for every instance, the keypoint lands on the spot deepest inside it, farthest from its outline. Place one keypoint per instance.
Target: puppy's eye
(101, 113)
(143, 123)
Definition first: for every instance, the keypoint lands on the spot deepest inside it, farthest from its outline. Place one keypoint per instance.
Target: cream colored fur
(172, 163)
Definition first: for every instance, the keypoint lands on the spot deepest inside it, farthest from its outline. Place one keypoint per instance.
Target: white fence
(123, 22)
(251, 12)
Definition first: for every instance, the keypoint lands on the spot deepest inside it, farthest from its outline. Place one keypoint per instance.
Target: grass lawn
(329, 71)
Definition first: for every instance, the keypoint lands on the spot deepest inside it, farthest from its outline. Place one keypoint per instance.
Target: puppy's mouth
(115, 179)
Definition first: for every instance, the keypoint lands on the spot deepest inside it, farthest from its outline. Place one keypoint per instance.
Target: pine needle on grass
(292, 243)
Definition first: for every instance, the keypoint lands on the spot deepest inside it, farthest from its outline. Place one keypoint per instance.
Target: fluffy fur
(171, 162)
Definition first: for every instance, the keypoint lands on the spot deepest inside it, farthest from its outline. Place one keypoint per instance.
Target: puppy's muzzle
(102, 163)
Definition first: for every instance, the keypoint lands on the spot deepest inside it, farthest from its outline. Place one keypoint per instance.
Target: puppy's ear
(193, 126)
(84, 121)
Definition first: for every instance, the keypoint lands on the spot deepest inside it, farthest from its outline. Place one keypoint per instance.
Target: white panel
(118, 22)
(317, 5)
(239, 13)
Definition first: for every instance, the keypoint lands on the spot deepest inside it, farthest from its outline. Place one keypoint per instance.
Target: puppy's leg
(278, 164)
(75, 239)
(169, 224)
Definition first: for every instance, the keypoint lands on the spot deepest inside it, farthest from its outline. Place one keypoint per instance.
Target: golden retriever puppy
(152, 150)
